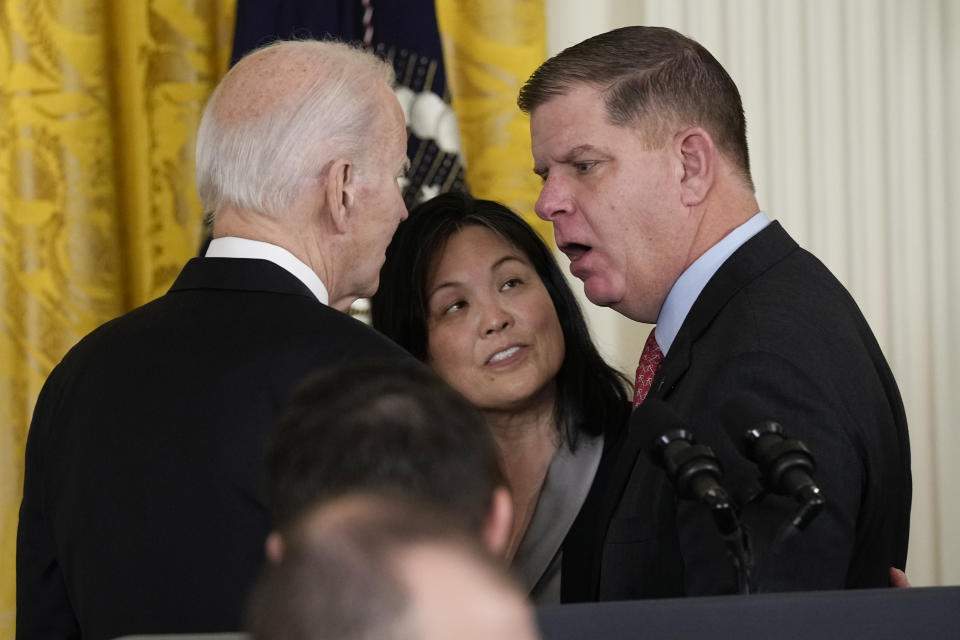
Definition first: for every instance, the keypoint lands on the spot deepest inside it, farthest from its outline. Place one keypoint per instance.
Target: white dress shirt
(230, 247)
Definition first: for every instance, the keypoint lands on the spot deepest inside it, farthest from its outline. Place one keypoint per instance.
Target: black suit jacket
(773, 320)
(142, 511)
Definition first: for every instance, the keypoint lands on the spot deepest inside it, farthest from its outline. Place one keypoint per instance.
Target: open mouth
(574, 251)
(500, 356)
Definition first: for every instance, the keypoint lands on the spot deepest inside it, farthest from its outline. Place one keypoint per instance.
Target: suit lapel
(746, 264)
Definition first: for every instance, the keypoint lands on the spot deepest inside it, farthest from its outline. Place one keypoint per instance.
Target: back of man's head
(279, 116)
(370, 566)
(388, 427)
(653, 79)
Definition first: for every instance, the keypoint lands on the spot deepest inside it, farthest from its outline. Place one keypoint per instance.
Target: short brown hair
(651, 77)
(378, 425)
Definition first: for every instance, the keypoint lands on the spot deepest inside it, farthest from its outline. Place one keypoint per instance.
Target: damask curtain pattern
(99, 102)
(490, 49)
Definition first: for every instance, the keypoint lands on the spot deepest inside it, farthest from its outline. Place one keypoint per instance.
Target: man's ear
(340, 191)
(274, 547)
(699, 159)
(499, 522)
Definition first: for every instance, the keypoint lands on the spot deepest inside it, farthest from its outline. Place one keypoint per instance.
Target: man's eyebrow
(578, 151)
(570, 156)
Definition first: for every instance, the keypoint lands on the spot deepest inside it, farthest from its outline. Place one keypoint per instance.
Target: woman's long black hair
(590, 393)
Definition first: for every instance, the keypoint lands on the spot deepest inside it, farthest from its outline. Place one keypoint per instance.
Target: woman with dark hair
(469, 288)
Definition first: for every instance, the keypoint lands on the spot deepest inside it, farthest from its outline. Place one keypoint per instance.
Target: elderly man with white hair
(142, 510)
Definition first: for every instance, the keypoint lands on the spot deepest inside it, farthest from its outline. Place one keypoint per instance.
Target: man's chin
(599, 295)
(371, 289)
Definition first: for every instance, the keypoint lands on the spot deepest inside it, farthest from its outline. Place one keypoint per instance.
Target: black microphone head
(745, 418)
(652, 419)
(662, 432)
(785, 463)
(692, 468)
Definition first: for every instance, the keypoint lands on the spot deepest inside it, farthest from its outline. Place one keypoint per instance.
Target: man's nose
(553, 200)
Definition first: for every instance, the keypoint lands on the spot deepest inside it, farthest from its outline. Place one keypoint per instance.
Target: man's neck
(727, 209)
(290, 234)
(688, 286)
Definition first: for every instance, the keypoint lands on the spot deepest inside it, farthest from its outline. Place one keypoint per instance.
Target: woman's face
(493, 332)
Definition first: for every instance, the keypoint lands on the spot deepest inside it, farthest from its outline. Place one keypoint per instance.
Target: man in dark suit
(142, 511)
(640, 138)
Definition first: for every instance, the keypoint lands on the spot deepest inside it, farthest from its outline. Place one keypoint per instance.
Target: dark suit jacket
(142, 510)
(775, 321)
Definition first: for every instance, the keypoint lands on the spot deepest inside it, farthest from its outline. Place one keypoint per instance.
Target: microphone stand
(695, 472)
(787, 467)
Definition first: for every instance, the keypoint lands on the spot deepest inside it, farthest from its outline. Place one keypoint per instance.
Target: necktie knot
(650, 361)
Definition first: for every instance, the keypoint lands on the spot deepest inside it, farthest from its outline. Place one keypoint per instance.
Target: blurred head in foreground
(390, 428)
(367, 566)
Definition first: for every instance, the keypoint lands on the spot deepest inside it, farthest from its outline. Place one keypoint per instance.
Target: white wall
(851, 112)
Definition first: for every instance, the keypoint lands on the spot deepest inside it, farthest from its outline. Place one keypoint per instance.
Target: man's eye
(583, 167)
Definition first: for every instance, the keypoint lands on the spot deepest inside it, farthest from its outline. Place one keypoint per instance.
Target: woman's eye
(456, 306)
(511, 284)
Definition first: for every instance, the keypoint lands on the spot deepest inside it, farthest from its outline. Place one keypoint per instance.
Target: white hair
(259, 156)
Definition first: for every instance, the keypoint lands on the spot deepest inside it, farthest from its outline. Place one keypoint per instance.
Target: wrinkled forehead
(568, 121)
(581, 119)
(581, 94)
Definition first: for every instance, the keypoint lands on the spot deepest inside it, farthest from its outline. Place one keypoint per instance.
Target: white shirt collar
(691, 282)
(230, 247)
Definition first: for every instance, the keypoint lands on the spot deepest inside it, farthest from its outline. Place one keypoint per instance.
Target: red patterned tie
(650, 361)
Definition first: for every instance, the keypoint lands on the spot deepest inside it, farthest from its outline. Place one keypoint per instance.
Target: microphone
(695, 473)
(786, 464)
(693, 468)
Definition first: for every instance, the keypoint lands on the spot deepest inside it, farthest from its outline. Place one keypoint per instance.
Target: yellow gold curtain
(99, 101)
(490, 48)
